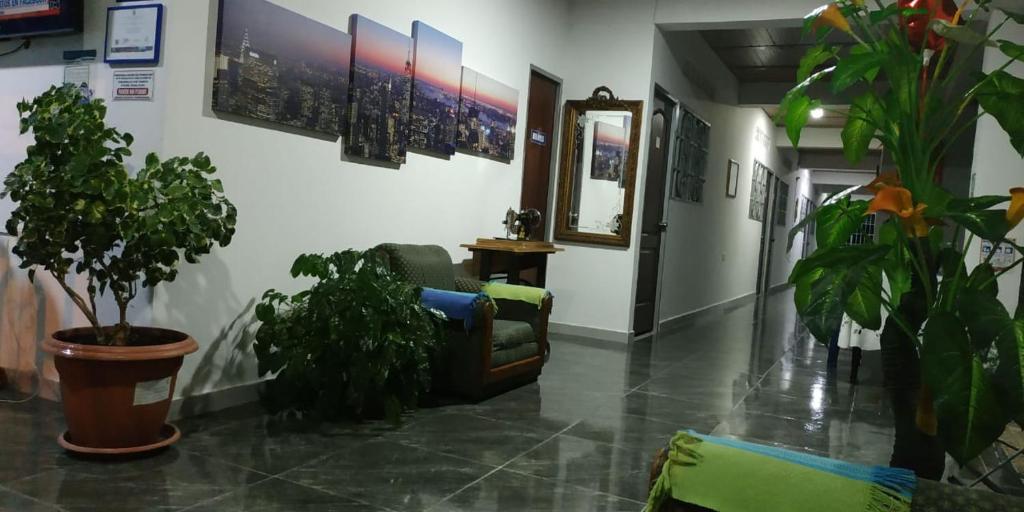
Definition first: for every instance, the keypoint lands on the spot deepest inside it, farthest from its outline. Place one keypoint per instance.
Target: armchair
(507, 343)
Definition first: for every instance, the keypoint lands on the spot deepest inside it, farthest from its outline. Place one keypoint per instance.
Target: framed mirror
(600, 142)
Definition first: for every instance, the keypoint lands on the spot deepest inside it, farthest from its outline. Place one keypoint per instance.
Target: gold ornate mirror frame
(571, 167)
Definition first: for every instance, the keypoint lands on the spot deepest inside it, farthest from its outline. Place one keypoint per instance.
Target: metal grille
(758, 191)
(692, 138)
(782, 204)
(866, 231)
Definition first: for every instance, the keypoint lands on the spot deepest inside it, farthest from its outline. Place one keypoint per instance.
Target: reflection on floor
(579, 439)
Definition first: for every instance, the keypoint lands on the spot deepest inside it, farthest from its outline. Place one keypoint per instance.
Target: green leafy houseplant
(80, 211)
(953, 356)
(357, 342)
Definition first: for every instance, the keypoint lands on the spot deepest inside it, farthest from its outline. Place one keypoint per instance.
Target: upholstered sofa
(507, 343)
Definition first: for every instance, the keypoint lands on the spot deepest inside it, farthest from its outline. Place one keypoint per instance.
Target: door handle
(663, 226)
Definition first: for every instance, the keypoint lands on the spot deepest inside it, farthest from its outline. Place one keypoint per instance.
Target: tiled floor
(579, 439)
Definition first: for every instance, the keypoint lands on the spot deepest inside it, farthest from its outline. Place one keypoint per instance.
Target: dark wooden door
(540, 123)
(764, 262)
(652, 225)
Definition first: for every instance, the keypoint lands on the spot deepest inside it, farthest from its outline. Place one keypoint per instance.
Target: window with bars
(782, 204)
(758, 191)
(866, 231)
(691, 139)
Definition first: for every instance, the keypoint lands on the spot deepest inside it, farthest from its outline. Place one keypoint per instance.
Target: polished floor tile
(276, 495)
(390, 474)
(580, 438)
(505, 490)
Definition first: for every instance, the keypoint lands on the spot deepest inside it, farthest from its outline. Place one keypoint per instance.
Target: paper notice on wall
(152, 391)
(1004, 254)
(77, 74)
(133, 85)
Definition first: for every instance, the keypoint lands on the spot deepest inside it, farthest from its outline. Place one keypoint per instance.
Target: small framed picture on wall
(732, 178)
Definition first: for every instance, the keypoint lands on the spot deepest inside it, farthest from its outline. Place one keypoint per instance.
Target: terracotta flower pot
(116, 399)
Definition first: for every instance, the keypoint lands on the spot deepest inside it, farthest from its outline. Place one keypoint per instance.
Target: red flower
(917, 27)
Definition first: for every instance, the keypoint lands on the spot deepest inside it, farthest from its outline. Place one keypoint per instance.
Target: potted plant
(80, 213)
(952, 354)
(357, 343)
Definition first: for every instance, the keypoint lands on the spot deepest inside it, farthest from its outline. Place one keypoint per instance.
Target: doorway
(540, 133)
(653, 225)
(770, 184)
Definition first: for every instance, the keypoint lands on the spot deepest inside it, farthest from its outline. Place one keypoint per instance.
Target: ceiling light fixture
(818, 113)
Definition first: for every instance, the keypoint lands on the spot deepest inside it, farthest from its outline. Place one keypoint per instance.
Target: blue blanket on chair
(455, 305)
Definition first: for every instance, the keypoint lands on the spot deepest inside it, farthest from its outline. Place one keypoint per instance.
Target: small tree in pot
(79, 211)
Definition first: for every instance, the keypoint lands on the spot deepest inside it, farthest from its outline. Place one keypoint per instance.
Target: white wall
(30, 312)
(712, 247)
(608, 43)
(997, 166)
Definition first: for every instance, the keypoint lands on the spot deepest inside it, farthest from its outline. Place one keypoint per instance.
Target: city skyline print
(379, 93)
(277, 66)
(437, 72)
(610, 144)
(488, 112)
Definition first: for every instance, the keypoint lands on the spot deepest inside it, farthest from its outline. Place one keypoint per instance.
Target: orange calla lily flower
(898, 201)
(1015, 213)
(831, 16)
(886, 179)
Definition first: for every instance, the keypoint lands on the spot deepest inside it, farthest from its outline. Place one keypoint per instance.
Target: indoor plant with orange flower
(953, 355)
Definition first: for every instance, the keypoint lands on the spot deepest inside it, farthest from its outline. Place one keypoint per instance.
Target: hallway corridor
(581, 438)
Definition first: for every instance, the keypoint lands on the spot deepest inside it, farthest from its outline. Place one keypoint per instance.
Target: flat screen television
(25, 18)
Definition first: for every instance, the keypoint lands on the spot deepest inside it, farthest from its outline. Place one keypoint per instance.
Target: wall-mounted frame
(134, 33)
(732, 178)
(590, 210)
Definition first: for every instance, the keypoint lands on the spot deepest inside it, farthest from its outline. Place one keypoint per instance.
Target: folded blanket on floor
(726, 475)
(505, 291)
(455, 305)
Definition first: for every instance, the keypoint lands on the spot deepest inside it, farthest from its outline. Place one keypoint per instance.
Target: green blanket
(732, 476)
(505, 291)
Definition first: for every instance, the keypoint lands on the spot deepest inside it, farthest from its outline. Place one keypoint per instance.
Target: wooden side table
(514, 256)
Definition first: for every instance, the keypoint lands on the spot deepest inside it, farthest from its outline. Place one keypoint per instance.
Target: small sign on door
(538, 137)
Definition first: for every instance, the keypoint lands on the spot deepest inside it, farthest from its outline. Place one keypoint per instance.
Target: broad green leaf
(815, 57)
(1009, 375)
(987, 224)
(984, 316)
(897, 262)
(797, 98)
(1011, 49)
(1002, 96)
(797, 114)
(825, 282)
(836, 222)
(1013, 15)
(959, 33)
(966, 401)
(958, 205)
(812, 217)
(983, 280)
(855, 67)
(865, 303)
(860, 126)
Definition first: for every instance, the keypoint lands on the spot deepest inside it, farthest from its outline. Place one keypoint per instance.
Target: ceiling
(770, 57)
(764, 54)
(835, 117)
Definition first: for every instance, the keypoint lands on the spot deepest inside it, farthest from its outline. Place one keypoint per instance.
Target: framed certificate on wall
(133, 34)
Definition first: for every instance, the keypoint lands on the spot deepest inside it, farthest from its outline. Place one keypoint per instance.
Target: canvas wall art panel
(610, 150)
(488, 113)
(380, 92)
(277, 66)
(437, 71)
